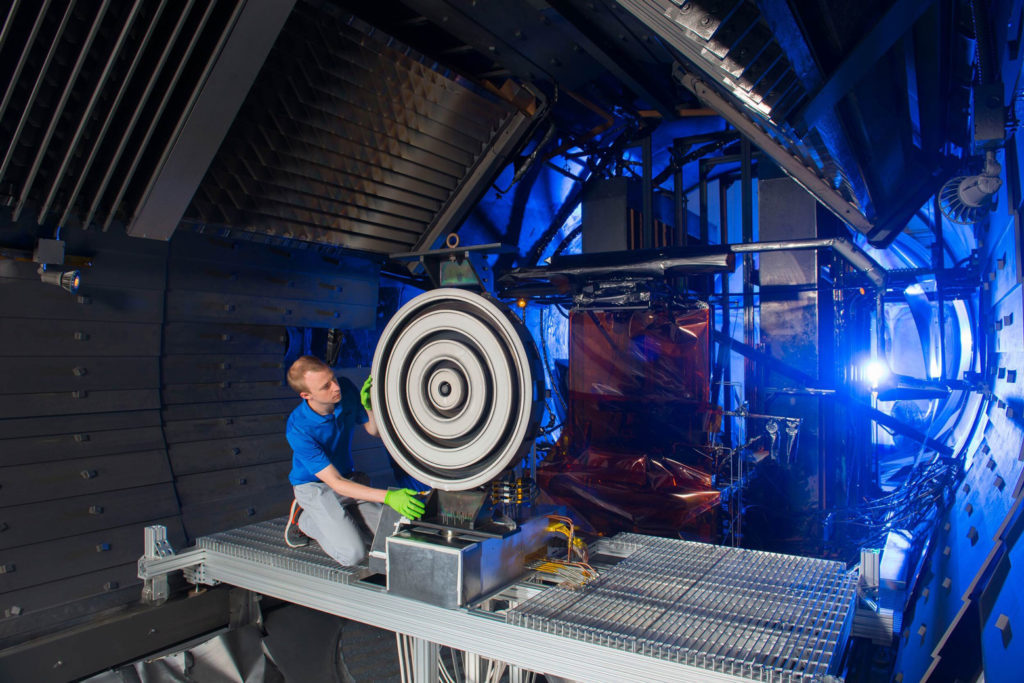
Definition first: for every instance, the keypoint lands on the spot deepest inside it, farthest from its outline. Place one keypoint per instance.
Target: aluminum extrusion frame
(475, 632)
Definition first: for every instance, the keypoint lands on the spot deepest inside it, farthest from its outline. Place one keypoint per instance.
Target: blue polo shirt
(321, 440)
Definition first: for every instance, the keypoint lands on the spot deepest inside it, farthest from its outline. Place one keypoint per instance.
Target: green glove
(405, 503)
(364, 394)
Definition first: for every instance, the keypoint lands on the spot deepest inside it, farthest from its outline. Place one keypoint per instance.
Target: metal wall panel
(119, 584)
(226, 412)
(39, 563)
(225, 391)
(968, 591)
(72, 425)
(78, 373)
(230, 513)
(220, 454)
(119, 638)
(68, 403)
(28, 299)
(300, 258)
(250, 309)
(199, 369)
(38, 449)
(182, 337)
(38, 522)
(180, 431)
(82, 456)
(214, 276)
(195, 489)
(127, 270)
(65, 478)
(42, 337)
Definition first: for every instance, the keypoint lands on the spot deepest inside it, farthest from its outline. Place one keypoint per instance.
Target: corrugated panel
(730, 41)
(347, 138)
(97, 96)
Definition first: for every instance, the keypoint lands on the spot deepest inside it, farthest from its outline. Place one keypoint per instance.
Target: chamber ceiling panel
(99, 97)
(832, 110)
(348, 138)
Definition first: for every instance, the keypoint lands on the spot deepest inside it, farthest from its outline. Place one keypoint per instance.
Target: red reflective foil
(634, 453)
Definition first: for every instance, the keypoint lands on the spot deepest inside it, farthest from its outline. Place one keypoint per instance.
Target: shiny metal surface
(453, 568)
(263, 545)
(761, 616)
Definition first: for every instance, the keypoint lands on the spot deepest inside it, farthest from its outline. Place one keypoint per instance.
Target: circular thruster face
(457, 389)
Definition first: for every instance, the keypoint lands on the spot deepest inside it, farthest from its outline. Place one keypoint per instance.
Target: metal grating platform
(670, 611)
(752, 614)
(263, 544)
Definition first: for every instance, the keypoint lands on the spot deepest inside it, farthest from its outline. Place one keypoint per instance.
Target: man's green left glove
(364, 394)
(405, 502)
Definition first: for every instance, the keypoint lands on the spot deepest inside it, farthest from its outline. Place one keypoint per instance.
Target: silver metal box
(453, 568)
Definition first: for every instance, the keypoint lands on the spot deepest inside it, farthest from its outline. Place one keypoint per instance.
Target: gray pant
(336, 522)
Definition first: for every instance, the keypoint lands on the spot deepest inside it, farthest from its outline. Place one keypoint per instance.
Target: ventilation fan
(965, 199)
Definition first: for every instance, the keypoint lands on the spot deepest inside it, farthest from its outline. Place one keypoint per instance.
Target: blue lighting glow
(875, 371)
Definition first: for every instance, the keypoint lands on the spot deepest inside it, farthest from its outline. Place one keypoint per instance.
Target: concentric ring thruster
(457, 389)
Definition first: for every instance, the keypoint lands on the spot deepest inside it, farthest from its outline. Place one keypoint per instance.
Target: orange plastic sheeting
(634, 453)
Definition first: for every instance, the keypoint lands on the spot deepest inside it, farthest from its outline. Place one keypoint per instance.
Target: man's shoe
(293, 536)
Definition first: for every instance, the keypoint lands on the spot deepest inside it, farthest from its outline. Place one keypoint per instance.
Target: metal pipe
(679, 204)
(938, 262)
(647, 157)
(750, 383)
(725, 359)
(856, 256)
(879, 325)
(703, 175)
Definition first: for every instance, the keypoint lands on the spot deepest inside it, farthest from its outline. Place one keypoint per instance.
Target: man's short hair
(302, 365)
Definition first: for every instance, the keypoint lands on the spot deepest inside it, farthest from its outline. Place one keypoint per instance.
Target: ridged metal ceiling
(94, 93)
(117, 111)
(349, 138)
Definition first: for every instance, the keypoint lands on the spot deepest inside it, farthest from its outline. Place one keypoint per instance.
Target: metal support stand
(418, 659)
(475, 668)
(154, 590)
(424, 657)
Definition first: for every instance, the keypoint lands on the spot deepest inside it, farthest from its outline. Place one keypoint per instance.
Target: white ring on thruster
(416, 379)
(489, 428)
(520, 418)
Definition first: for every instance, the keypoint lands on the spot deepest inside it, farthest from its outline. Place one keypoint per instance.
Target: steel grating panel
(740, 615)
(348, 138)
(263, 544)
(752, 614)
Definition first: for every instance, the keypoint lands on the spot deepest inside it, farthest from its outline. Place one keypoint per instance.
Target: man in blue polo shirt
(329, 507)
